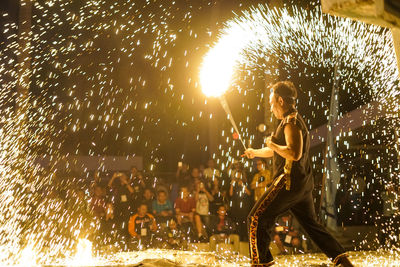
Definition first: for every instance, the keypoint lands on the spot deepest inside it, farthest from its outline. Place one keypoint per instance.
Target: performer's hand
(249, 153)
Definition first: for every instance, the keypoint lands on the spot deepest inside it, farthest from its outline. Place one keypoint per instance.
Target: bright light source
(218, 65)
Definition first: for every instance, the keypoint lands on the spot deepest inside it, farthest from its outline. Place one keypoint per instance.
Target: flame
(83, 256)
(218, 64)
(28, 256)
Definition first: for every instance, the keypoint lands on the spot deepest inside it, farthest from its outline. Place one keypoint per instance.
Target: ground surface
(167, 258)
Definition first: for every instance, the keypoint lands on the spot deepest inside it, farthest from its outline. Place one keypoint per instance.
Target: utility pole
(331, 175)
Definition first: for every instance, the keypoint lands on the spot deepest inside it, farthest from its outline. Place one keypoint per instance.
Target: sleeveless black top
(301, 174)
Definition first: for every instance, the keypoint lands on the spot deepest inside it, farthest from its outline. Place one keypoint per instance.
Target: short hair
(221, 206)
(286, 90)
(142, 204)
(161, 191)
(184, 186)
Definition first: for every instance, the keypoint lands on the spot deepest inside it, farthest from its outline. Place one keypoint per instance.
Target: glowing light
(296, 38)
(83, 256)
(28, 256)
(218, 64)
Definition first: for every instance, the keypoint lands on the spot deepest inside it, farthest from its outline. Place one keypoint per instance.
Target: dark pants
(276, 201)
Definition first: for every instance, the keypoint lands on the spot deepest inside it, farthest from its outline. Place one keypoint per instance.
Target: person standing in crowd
(162, 208)
(147, 199)
(178, 180)
(220, 198)
(293, 182)
(193, 180)
(122, 200)
(237, 171)
(223, 230)
(97, 181)
(261, 180)
(202, 216)
(211, 174)
(182, 173)
(138, 184)
(141, 225)
(98, 203)
(240, 202)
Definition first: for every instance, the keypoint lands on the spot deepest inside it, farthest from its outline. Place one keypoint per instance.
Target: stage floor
(166, 258)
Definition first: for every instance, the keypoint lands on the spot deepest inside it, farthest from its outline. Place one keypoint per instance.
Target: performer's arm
(265, 152)
(294, 143)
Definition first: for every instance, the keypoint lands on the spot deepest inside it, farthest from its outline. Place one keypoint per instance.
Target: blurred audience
(122, 199)
(147, 198)
(389, 223)
(185, 207)
(261, 180)
(202, 216)
(240, 195)
(141, 225)
(211, 174)
(223, 230)
(162, 208)
(287, 234)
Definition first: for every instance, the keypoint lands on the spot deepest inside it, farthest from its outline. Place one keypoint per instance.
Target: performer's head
(282, 98)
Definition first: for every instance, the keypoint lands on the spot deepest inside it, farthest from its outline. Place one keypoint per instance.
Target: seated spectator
(202, 216)
(287, 233)
(162, 185)
(147, 199)
(162, 208)
(141, 225)
(185, 208)
(261, 180)
(172, 237)
(223, 230)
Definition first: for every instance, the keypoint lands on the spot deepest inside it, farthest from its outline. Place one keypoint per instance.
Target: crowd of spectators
(196, 205)
(136, 210)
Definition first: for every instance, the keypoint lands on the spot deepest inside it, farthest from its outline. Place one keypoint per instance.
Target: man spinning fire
(292, 185)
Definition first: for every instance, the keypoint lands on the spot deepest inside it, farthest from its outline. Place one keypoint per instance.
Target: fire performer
(292, 182)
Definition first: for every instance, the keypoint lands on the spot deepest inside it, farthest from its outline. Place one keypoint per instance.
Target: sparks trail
(87, 86)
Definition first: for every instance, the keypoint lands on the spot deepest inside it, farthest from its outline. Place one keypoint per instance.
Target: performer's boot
(262, 264)
(344, 261)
